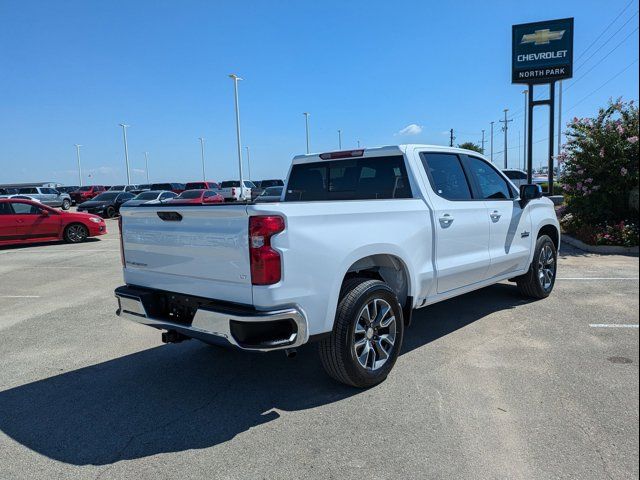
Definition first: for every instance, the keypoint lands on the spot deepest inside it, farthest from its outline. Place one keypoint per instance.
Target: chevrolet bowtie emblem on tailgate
(542, 37)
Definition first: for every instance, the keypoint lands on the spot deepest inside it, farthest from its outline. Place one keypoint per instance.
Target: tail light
(122, 260)
(266, 266)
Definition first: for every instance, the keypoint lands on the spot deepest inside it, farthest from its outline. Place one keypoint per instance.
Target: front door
(32, 222)
(462, 228)
(510, 241)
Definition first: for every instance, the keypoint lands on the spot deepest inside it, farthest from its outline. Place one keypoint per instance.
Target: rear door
(461, 223)
(510, 242)
(8, 225)
(32, 223)
(196, 250)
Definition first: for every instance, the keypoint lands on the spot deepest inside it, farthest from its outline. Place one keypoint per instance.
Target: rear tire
(111, 212)
(367, 334)
(75, 233)
(66, 204)
(539, 281)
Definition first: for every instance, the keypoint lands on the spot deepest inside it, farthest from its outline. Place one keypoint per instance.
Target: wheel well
(387, 268)
(552, 232)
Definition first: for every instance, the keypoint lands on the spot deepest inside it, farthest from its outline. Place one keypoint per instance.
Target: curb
(607, 249)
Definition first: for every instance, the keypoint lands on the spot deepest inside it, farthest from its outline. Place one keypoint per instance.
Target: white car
(517, 177)
(360, 239)
(231, 191)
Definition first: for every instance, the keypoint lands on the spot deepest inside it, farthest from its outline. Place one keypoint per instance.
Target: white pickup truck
(231, 191)
(359, 239)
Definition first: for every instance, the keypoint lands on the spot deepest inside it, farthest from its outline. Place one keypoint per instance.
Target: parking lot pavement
(488, 386)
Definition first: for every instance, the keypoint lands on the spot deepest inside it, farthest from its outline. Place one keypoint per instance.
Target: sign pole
(530, 135)
(552, 112)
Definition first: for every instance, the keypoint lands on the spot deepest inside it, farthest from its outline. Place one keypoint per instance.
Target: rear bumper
(215, 322)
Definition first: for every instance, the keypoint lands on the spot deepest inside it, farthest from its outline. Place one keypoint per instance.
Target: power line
(604, 31)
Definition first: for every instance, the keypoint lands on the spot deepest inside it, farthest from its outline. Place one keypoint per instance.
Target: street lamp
(146, 164)
(306, 124)
(339, 139)
(204, 176)
(126, 151)
(79, 167)
(235, 92)
(248, 162)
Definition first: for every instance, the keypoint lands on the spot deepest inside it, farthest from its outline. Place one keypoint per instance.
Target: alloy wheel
(546, 267)
(375, 334)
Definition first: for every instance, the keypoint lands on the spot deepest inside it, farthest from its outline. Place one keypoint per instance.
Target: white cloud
(411, 129)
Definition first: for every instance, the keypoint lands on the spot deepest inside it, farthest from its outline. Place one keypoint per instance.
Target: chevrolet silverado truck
(359, 240)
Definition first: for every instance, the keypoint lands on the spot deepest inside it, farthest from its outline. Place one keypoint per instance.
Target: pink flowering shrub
(600, 170)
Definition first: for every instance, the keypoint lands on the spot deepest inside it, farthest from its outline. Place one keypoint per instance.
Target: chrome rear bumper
(221, 325)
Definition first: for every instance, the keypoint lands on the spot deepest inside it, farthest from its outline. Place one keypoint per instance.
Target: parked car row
(51, 197)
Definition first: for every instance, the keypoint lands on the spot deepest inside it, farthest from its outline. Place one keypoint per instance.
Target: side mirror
(529, 192)
(44, 213)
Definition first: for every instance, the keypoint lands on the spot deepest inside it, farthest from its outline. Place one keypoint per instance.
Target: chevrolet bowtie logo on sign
(542, 51)
(542, 37)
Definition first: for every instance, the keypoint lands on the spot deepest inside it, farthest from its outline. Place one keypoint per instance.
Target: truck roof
(377, 152)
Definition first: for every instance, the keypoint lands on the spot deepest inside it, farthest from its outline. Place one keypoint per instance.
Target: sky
(381, 72)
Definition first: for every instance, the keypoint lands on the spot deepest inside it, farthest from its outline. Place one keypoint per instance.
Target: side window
(490, 185)
(24, 208)
(446, 175)
(5, 208)
(308, 182)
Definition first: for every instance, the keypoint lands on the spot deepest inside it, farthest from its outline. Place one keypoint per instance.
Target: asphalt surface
(488, 386)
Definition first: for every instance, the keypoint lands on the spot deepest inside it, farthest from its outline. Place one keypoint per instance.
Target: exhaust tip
(290, 352)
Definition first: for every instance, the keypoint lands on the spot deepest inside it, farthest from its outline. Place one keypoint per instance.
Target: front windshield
(190, 194)
(151, 195)
(106, 197)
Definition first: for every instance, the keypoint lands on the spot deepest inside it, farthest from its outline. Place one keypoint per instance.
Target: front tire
(539, 281)
(75, 233)
(66, 205)
(367, 334)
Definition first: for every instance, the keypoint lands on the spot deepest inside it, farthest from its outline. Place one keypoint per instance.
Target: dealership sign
(542, 52)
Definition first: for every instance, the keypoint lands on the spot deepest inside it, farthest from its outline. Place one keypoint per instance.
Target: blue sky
(71, 71)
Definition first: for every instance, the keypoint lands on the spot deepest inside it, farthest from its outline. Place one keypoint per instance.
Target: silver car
(47, 196)
(150, 196)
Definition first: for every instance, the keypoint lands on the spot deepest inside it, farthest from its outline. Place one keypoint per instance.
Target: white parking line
(597, 278)
(613, 325)
(19, 296)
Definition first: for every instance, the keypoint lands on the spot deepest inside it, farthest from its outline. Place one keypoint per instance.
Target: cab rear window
(373, 178)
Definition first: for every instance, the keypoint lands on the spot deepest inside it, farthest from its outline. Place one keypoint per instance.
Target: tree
(600, 174)
(471, 146)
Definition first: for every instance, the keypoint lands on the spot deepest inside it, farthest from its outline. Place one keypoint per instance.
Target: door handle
(495, 215)
(446, 220)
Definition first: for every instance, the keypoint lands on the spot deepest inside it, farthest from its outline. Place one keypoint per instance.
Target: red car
(197, 196)
(28, 221)
(86, 193)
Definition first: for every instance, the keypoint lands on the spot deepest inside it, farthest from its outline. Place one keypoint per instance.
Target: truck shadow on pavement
(187, 396)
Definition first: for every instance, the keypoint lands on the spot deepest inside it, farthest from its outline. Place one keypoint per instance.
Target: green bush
(600, 172)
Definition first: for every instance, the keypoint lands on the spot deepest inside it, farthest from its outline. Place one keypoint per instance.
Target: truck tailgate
(195, 250)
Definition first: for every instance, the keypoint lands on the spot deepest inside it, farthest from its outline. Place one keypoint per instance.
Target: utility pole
(204, 175)
(358, 143)
(482, 141)
(451, 138)
(518, 149)
(491, 141)
(524, 149)
(339, 139)
(126, 151)
(306, 125)
(505, 129)
(235, 94)
(146, 164)
(248, 162)
(79, 167)
(559, 123)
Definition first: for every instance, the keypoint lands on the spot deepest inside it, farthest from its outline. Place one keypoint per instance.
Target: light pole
(306, 126)
(204, 176)
(524, 149)
(482, 142)
(146, 164)
(491, 142)
(358, 143)
(126, 151)
(248, 163)
(235, 93)
(79, 167)
(339, 139)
